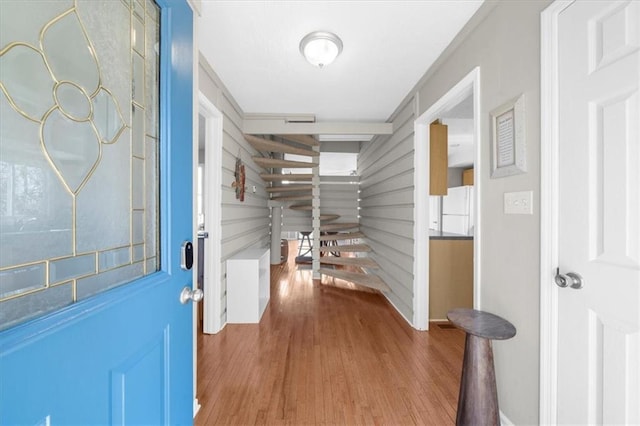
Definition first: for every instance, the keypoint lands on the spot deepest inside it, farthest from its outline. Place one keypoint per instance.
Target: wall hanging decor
(508, 147)
(239, 182)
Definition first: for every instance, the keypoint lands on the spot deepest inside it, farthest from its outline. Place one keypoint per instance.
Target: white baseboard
(504, 420)
(398, 310)
(196, 407)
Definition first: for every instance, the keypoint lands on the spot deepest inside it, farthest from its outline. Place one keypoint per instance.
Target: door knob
(187, 293)
(569, 279)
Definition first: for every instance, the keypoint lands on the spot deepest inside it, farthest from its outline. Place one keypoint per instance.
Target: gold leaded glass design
(78, 150)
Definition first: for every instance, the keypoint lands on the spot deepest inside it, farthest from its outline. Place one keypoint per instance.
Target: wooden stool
(478, 400)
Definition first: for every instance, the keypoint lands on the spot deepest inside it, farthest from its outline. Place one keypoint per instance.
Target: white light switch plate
(518, 202)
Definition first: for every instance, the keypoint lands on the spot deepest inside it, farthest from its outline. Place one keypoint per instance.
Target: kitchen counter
(439, 235)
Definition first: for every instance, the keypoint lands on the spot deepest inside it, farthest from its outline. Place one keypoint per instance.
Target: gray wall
(503, 39)
(385, 166)
(244, 224)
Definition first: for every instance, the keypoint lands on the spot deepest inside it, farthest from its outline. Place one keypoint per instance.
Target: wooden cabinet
(438, 158)
(450, 276)
(467, 177)
(248, 285)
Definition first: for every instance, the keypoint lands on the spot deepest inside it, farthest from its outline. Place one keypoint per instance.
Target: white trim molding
(213, 214)
(548, 210)
(280, 126)
(194, 184)
(196, 6)
(196, 407)
(421, 226)
(504, 420)
(469, 84)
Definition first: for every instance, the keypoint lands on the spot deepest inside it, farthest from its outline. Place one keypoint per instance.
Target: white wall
(504, 40)
(244, 224)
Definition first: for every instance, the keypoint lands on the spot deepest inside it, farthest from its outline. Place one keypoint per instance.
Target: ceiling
(388, 45)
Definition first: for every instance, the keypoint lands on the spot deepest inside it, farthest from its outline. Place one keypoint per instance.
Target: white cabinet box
(248, 281)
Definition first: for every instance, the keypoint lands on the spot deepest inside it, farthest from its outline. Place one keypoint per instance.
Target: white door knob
(187, 293)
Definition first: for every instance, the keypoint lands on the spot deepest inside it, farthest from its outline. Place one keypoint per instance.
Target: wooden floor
(323, 354)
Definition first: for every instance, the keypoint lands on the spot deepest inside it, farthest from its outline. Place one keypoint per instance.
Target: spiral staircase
(338, 251)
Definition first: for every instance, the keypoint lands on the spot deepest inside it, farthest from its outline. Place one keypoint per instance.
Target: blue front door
(123, 356)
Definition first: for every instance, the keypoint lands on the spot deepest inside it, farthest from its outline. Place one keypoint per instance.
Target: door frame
(212, 311)
(549, 189)
(421, 195)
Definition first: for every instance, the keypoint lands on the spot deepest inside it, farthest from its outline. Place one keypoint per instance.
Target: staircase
(337, 243)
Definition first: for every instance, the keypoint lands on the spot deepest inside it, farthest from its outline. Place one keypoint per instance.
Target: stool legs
(334, 243)
(329, 243)
(478, 400)
(304, 238)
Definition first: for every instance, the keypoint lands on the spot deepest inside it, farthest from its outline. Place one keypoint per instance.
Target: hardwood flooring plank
(325, 355)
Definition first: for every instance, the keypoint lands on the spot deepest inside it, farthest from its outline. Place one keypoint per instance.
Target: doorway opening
(459, 109)
(208, 214)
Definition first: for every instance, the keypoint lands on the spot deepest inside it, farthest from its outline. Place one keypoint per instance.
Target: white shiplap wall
(385, 166)
(244, 224)
(338, 195)
(296, 220)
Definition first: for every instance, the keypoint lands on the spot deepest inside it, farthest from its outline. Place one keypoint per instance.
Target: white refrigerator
(457, 210)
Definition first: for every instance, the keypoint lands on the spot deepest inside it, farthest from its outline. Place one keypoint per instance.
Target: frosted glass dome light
(320, 48)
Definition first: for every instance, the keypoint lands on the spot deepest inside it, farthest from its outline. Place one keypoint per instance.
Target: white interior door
(599, 212)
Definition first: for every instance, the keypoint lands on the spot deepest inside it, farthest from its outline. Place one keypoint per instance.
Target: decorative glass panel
(34, 304)
(138, 35)
(22, 279)
(138, 253)
(138, 8)
(137, 129)
(94, 284)
(138, 78)
(72, 267)
(78, 150)
(111, 259)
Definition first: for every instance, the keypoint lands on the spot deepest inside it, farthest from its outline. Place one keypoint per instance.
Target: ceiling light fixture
(320, 48)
